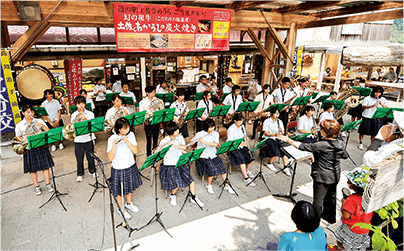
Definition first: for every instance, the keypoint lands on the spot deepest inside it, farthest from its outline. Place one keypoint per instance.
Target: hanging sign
(74, 78)
(162, 28)
(297, 61)
(9, 110)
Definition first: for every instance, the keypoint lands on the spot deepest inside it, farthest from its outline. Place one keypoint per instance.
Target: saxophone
(181, 118)
(19, 144)
(348, 105)
(110, 123)
(68, 130)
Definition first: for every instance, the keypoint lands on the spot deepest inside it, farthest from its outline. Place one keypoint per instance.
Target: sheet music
(296, 153)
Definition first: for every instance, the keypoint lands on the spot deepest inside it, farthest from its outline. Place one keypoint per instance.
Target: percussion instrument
(33, 80)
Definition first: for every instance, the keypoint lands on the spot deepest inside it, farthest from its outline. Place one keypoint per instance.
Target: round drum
(33, 80)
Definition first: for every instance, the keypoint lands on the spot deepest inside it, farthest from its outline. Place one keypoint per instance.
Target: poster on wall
(236, 63)
(74, 77)
(158, 28)
(10, 114)
(159, 63)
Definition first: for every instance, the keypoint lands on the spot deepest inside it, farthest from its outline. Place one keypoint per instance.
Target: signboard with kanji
(74, 78)
(9, 110)
(158, 28)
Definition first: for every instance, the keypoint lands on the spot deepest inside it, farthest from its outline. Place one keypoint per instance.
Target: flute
(193, 142)
(161, 147)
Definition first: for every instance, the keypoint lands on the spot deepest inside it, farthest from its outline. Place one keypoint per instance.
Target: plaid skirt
(351, 240)
(272, 149)
(130, 177)
(171, 177)
(240, 156)
(210, 167)
(37, 159)
(356, 111)
(370, 126)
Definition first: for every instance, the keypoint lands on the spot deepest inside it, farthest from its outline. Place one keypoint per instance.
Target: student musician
(209, 163)
(36, 159)
(162, 88)
(54, 109)
(83, 93)
(152, 131)
(126, 93)
(273, 127)
(283, 95)
(99, 93)
(307, 124)
(205, 86)
(370, 126)
(234, 100)
(117, 86)
(181, 108)
(242, 156)
(172, 178)
(228, 86)
(302, 90)
(265, 100)
(83, 144)
(117, 109)
(328, 112)
(334, 96)
(121, 147)
(204, 102)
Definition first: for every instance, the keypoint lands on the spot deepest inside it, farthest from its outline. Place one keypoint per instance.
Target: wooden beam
(308, 5)
(385, 15)
(292, 33)
(269, 48)
(387, 55)
(240, 5)
(180, 3)
(5, 38)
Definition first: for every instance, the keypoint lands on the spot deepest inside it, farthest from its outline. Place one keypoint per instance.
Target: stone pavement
(232, 222)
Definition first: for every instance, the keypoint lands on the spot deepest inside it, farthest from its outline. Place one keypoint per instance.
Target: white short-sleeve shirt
(305, 123)
(209, 106)
(130, 94)
(21, 127)
(235, 132)
(52, 108)
(201, 87)
(281, 96)
(227, 89)
(117, 87)
(265, 101)
(100, 96)
(123, 155)
(272, 126)
(326, 115)
(369, 101)
(179, 108)
(233, 101)
(111, 112)
(173, 154)
(210, 151)
(89, 100)
(86, 137)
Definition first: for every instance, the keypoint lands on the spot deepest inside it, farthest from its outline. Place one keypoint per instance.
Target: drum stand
(56, 193)
(226, 180)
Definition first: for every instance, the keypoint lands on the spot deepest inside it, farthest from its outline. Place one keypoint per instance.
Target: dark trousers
(325, 200)
(284, 117)
(255, 125)
(101, 108)
(199, 125)
(152, 132)
(79, 150)
(340, 121)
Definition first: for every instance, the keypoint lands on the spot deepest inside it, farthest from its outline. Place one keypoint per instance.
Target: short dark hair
(97, 79)
(124, 83)
(303, 80)
(228, 80)
(309, 108)
(49, 91)
(213, 77)
(79, 99)
(120, 123)
(305, 217)
(285, 80)
(208, 123)
(328, 105)
(116, 96)
(267, 86)
(238, 116)
(83, 91)
(149, 89)
(391, 68)
(333, 93)
(171, 127)
(202, 76)
(377, 89)
(26, 107)
(235, 88)
(180, 93)
(206, 93)
(273, 110)
(331, 128)
(362, 80)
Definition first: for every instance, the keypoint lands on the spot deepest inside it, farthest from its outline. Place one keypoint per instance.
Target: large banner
(297, 61)
(161, 28)
(9, 110)
(74, 78)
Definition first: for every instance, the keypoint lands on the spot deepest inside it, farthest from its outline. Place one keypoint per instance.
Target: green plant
(379, 240)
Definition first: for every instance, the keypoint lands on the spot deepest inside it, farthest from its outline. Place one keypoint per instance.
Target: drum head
(32, 82)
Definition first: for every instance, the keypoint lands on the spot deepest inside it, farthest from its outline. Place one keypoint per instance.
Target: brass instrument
(228, 119)
(68, 130)
(155, 105)
(110, 123)
(254, 90)
(19, 144)
(172, 87)
(181, 120)
(348, 104)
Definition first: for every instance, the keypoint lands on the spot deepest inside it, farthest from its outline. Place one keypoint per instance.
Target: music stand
(108, 96)
(280, 107)
(320, 100)
(43, 139)
(194, 114)
(338, 104)
(385, 113)
(186, 159)
(363, 91)
(73, 108)
(224, 148)
(199, 95)
(314, 95)
(127, 100)
(151, 161)
(163, 116)
(220, 110)
(297, 155)
(300, 137)
(41, 111)
(301, 101)
(349, 127)
(259, 174)
(166, 97)
(136, 119)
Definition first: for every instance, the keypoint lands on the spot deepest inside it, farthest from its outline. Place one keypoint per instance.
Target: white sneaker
(250, 175)
(173, 200)
(125, 214)
(37, 190)
(53, 148)
(343, 134)
(132, 207)
(61, 146)
(287, 171)
(94, 174)
(49, 187)
(210, 189)
(249, 182)
(197, 201)
(79, 178)
(229, 189)
(271, 167)
(360, 146)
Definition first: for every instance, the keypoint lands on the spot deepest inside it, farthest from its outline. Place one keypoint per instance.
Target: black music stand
(136, 119)
(151, 161)
(259, 174)
(220, 110)
(224, 148)
(298, 156)
(194, 114)
(44, 139)
(186, 159)
(349, 127)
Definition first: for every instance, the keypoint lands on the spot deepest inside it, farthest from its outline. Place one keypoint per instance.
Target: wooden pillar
(338, 75)
(370, 71)
(142, 77)
(292, 33)
(321, 70)
(269, 48)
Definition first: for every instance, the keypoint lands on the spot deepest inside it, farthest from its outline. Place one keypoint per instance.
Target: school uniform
(273, 147)
(88, 100)
(227, 89)
(84, 144)
(300, 93)
(306, 124)
(100, 99)
(265, 102)
(233, 101)
(129, 94)
(281, 96)
(52, 108)
(371, 126)
(124, 169)
(250, 96)
(326, 115)
(117, 86)
(209, 163)
(111, 112)
(161, 90)
(209, 106)
(171, 177)
(242, 155)
(152, 131)
(201, 87)
(36, 159)
(179, 109)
